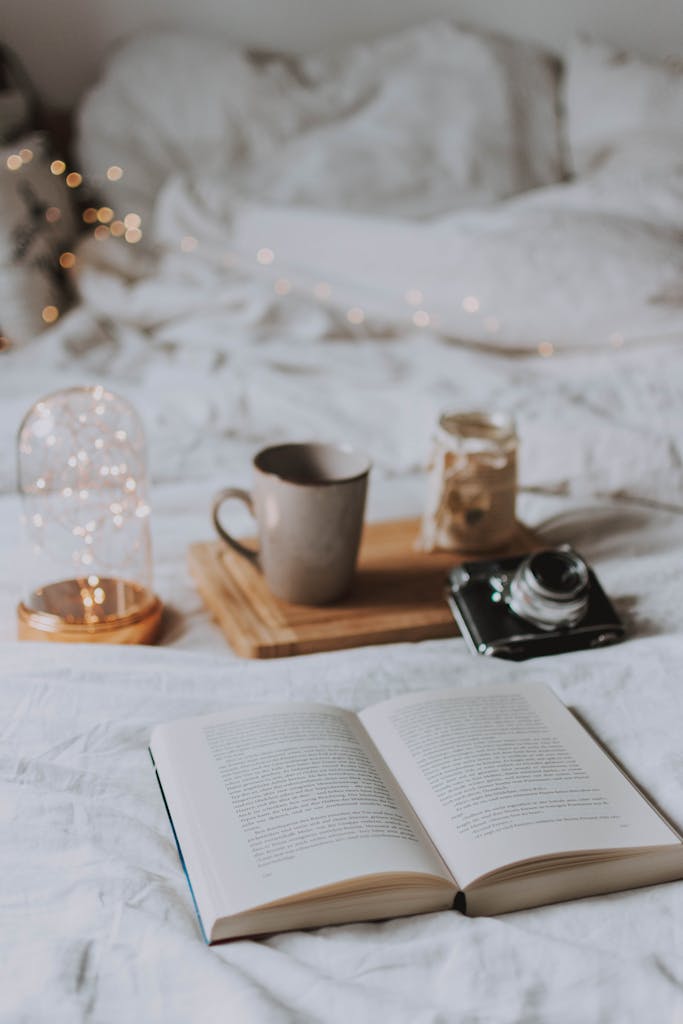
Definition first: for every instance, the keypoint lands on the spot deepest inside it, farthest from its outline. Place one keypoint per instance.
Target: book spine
(460, 903)
(180, 852)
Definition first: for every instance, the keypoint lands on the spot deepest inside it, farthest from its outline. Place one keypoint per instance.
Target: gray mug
(308, 501)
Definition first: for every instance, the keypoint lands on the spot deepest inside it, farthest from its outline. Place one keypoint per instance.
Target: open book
(489, 800)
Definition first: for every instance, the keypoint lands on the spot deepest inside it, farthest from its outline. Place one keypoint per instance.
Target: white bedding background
(562, 304)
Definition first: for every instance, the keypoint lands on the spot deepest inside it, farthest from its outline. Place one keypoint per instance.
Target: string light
(129, 229)
(49, 314)
(93, 507)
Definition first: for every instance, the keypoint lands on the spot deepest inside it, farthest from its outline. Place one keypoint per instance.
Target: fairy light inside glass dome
(83, 481)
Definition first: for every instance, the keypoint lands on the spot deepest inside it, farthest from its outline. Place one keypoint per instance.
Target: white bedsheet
(97, 919)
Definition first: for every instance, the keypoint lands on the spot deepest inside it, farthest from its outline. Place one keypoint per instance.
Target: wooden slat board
(398, 594)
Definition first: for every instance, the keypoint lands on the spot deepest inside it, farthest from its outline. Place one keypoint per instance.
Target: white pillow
(616, 101)
(429, 120)
(433, 119)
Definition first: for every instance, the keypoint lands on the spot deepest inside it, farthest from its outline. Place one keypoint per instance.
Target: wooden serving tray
(398, 594)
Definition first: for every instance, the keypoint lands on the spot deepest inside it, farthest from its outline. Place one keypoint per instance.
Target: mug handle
(234, 492)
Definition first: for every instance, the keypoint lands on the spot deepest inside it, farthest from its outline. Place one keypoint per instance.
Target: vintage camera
(545, 603)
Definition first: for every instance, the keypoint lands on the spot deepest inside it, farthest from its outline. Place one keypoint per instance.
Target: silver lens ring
(545, 607)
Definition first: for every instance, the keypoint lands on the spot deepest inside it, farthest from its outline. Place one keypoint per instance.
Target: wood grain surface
(397, 595)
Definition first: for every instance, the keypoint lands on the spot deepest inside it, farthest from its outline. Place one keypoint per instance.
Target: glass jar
(82, 477)
(472, 483)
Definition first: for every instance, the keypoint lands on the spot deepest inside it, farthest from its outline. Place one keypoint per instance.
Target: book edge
(178, 848)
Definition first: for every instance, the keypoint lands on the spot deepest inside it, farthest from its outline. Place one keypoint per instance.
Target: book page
(271, 800)
(503, 774)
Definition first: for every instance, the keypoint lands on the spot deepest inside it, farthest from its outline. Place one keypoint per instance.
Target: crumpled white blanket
(222, 353)
(298, 176)
(98, 922)
(220, 358)
(604, 423)
(578, 284)
(424, 121)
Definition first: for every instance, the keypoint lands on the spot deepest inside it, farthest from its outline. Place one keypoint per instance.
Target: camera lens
(558, 572)
(550, 589)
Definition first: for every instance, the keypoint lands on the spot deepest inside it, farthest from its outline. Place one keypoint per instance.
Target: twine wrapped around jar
(472, 483)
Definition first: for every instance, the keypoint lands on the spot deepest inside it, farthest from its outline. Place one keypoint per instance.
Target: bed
(303, 272)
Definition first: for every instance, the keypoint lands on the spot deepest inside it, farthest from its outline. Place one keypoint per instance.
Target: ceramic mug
(308, 501)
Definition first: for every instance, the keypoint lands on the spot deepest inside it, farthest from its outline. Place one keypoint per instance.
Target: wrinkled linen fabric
(98, 923)
(302, 177)
(610, 95)
(241, 322)
(212, 391)
(97, 920)
(426, 120)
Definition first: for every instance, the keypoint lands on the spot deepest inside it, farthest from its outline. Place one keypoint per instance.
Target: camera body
(531, 606)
